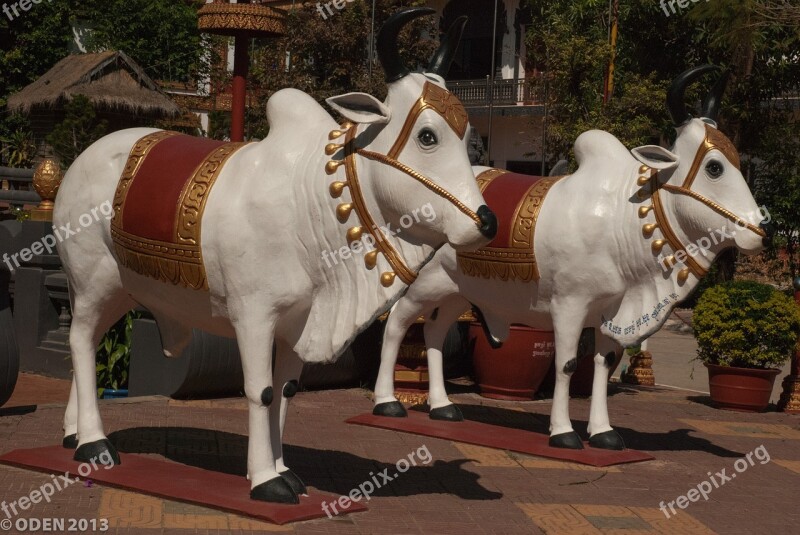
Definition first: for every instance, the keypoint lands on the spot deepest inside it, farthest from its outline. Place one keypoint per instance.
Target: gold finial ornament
(643, 180)
(657, 245)
(683, 275)
(343, 212)
(335, 134)
(642, 194)
(644, 210)
(336, 189)
(347, 125)
(354, 234)
(371, 259)
(331, 148)
(332, 166)
(649, 228)
(643, 169)
(46, 180)
(387, 279)
(669, 261)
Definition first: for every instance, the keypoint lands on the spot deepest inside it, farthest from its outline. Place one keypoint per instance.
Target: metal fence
(522, 91)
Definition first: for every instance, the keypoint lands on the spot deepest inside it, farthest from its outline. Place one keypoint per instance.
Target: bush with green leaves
(114, 355)
(746, 324)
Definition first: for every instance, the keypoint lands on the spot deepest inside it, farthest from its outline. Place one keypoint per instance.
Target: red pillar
(241, 65)
(790, 398)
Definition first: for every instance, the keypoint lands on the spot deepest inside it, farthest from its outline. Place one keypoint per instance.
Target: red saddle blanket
(159, 203)
(516, 201)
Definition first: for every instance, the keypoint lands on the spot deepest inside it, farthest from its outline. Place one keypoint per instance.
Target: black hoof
(570, 441)
(276, 490)
(393, 409)
(101, 451)
(295, 482)
(610, 440)
(450, 413)
(70, 442)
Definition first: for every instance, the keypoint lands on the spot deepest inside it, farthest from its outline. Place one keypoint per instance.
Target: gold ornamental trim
(195, 193)
(518, 261)
(137, 155)
(230, 19)
(165, 262)
(444, 103)
(486, 178)
(179, 262)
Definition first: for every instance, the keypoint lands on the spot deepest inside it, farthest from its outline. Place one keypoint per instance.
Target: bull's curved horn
(387, 41)
(675, 104)
(443, 58)
(714, 97)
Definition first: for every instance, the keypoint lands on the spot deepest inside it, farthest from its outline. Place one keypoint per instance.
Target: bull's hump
(295, 111)
(598, 144)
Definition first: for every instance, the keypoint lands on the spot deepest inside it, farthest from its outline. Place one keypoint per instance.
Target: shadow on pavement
(326, 470)
(673, 440)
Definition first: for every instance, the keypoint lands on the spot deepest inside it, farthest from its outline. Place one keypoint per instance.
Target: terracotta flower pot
(740, 389)
(516, 370)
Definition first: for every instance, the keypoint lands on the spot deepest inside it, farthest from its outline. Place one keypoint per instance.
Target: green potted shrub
(745, 332)
(113, 359)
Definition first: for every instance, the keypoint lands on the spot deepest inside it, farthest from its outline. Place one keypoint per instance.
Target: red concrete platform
(179, 482)
(499, 437)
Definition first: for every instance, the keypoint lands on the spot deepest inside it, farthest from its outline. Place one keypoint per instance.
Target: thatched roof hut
(111, 80)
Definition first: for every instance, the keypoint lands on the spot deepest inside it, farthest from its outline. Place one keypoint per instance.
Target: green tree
(325, 57)
(79, 129)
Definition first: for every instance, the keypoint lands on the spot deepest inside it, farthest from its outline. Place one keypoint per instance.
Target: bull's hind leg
(255, 331)
(601, 435)
(94, 311)
(288, 367)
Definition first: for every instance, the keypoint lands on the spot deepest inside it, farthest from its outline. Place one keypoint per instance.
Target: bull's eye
(427, 138)
(714, 169)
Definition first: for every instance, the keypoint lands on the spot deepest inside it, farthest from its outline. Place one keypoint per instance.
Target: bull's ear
(656, 157)
(360, 108)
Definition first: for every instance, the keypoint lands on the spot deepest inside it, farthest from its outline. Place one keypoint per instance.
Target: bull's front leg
(567, 325)
(255, 329)
(399, 321)
(436, 328)
(601, 434)
(288, 367)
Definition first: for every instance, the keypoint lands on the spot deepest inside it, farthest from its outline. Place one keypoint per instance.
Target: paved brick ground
(465, 489)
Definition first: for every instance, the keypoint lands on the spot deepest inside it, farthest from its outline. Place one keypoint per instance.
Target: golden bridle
(714, 140)
(434, 98)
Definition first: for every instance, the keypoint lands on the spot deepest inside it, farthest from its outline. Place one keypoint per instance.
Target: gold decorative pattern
(195, 193)
(137, 155)
(179, 262)
(46, 181)
(518, 261)
(486, 178)
(444, 103)
(230, 19)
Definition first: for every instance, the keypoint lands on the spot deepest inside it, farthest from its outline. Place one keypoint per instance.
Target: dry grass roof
(111, 80)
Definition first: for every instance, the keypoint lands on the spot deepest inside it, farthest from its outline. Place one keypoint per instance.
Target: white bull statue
(617, 245)
(268, 212)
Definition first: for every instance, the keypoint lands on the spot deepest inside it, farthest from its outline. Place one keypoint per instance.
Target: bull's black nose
(488, 221)
(769, 230)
